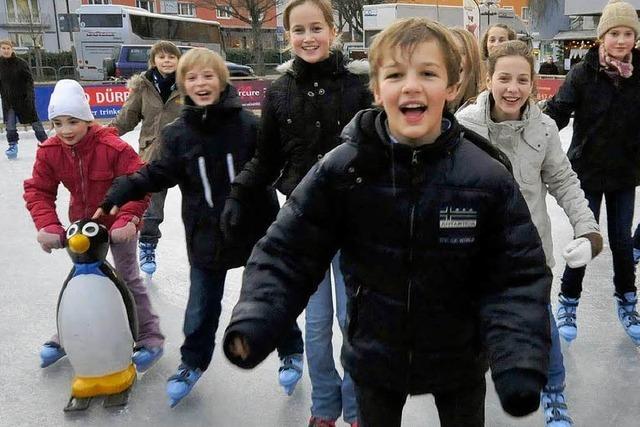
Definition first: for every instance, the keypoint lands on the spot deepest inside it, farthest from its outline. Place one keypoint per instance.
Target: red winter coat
(86, 169)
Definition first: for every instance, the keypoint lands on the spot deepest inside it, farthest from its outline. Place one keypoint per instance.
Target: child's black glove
(519, 391)
(231, 218)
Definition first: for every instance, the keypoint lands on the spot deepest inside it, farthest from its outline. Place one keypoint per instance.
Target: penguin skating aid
(97, 322)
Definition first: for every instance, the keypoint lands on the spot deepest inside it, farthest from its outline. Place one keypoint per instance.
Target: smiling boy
(443, 267)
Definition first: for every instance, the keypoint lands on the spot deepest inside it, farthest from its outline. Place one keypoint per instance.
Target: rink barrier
(106, 99)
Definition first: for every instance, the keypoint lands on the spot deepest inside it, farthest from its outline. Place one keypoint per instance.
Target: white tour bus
(105, 27)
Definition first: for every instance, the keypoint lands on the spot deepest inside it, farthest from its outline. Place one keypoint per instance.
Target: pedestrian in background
(154, 100)
(18, 98)
(602, 92)
(549, 67)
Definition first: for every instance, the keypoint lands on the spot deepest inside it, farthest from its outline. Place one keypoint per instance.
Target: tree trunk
(38, 55)
(258, 51)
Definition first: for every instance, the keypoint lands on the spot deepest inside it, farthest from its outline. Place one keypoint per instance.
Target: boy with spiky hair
(444, 270)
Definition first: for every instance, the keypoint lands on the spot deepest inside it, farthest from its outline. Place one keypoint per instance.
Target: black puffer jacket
(302, 116)
(605, 148)
(195, 154)
(440, 258)
(16, 89)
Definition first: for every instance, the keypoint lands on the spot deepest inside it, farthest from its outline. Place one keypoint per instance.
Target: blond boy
(444, 269)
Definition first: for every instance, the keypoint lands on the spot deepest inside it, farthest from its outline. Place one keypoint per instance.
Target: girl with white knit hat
(86, 157)
(603, 92)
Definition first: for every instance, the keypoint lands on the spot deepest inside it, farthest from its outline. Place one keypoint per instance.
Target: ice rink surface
(603, 366)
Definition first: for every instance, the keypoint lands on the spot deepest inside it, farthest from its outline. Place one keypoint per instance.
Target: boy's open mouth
(413, 111)
(203, 93)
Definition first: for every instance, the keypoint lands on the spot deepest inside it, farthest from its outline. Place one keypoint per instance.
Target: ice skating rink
(603, 366)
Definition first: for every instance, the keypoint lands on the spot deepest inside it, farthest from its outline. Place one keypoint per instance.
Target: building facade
(35, 22)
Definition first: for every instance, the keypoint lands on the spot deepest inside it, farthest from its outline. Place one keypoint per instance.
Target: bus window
(140, 26)
(101, 20)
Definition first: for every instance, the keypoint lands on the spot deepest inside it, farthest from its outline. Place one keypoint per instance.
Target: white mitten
(578, 252)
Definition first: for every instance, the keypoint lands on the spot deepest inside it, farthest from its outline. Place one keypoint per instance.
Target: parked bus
(103, 28)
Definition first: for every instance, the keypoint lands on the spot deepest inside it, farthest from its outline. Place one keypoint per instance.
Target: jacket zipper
(414, 163)
(82, 184)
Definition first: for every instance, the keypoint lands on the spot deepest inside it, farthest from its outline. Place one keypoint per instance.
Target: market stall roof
(576, 35)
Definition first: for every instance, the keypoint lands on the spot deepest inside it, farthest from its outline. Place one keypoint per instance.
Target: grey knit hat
(618, 13)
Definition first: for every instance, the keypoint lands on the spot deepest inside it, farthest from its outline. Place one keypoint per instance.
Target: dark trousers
(464, 407)
(291, 343)
(202, 315)
(620, 205)
(152, 218)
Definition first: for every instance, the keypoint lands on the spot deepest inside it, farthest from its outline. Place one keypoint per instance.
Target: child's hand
(578, 252)
(126, 233)
(101, 211)
(239, 347)
(51, 237)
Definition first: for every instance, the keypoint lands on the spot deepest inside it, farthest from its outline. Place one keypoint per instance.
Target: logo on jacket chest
(451, 217)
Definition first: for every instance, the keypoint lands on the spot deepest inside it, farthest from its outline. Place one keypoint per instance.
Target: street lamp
(489, 4)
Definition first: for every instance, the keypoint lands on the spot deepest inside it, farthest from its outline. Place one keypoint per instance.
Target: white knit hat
(68, 99)
(618, 13)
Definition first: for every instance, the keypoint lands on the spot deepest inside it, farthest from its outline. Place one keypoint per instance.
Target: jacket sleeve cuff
(258, 338)
(121, 221)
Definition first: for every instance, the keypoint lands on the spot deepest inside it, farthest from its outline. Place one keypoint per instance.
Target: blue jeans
(620, 205)
(556, 375)
(11, 123)
(201, 316)
(330, 394)
(152, 218)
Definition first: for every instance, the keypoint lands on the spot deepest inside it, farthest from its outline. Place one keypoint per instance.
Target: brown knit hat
(618, 13)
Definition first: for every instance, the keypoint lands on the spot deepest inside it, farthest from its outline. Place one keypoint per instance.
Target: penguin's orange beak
(79, 244)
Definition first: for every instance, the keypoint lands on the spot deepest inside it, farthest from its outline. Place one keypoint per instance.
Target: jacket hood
(335, 64)
(477, 116)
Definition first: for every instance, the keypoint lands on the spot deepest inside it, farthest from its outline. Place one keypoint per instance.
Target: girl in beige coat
(509, 119)
(153, 100)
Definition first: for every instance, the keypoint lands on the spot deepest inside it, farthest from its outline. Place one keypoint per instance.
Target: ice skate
(290, 372)
(12, 151)
(180, 384)
(321, 422)
(147, 257)
(567, 326)
(50, 353)
(555, 409)
(629, 316)
(144, 358)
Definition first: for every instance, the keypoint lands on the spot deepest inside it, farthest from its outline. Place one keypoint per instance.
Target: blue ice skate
(50, 353)
(555, 409)
(290, 372)
(144, 358)
(567, 326)
(147, 257)
(629, 316)
(12, 152)
(180, 384)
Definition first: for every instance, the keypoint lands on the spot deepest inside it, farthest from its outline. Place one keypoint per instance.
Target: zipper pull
(414, 158)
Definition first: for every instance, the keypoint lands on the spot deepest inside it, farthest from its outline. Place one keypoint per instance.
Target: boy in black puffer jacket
(200, 152)
(444, 270)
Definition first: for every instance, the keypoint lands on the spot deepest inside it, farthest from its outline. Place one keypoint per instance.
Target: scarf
(164, 85)
(615, 68)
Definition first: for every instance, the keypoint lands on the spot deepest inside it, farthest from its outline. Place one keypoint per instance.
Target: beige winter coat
(145, 104)
(539, 165)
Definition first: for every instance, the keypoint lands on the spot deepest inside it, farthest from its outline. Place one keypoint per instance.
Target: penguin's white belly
(94, 326)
